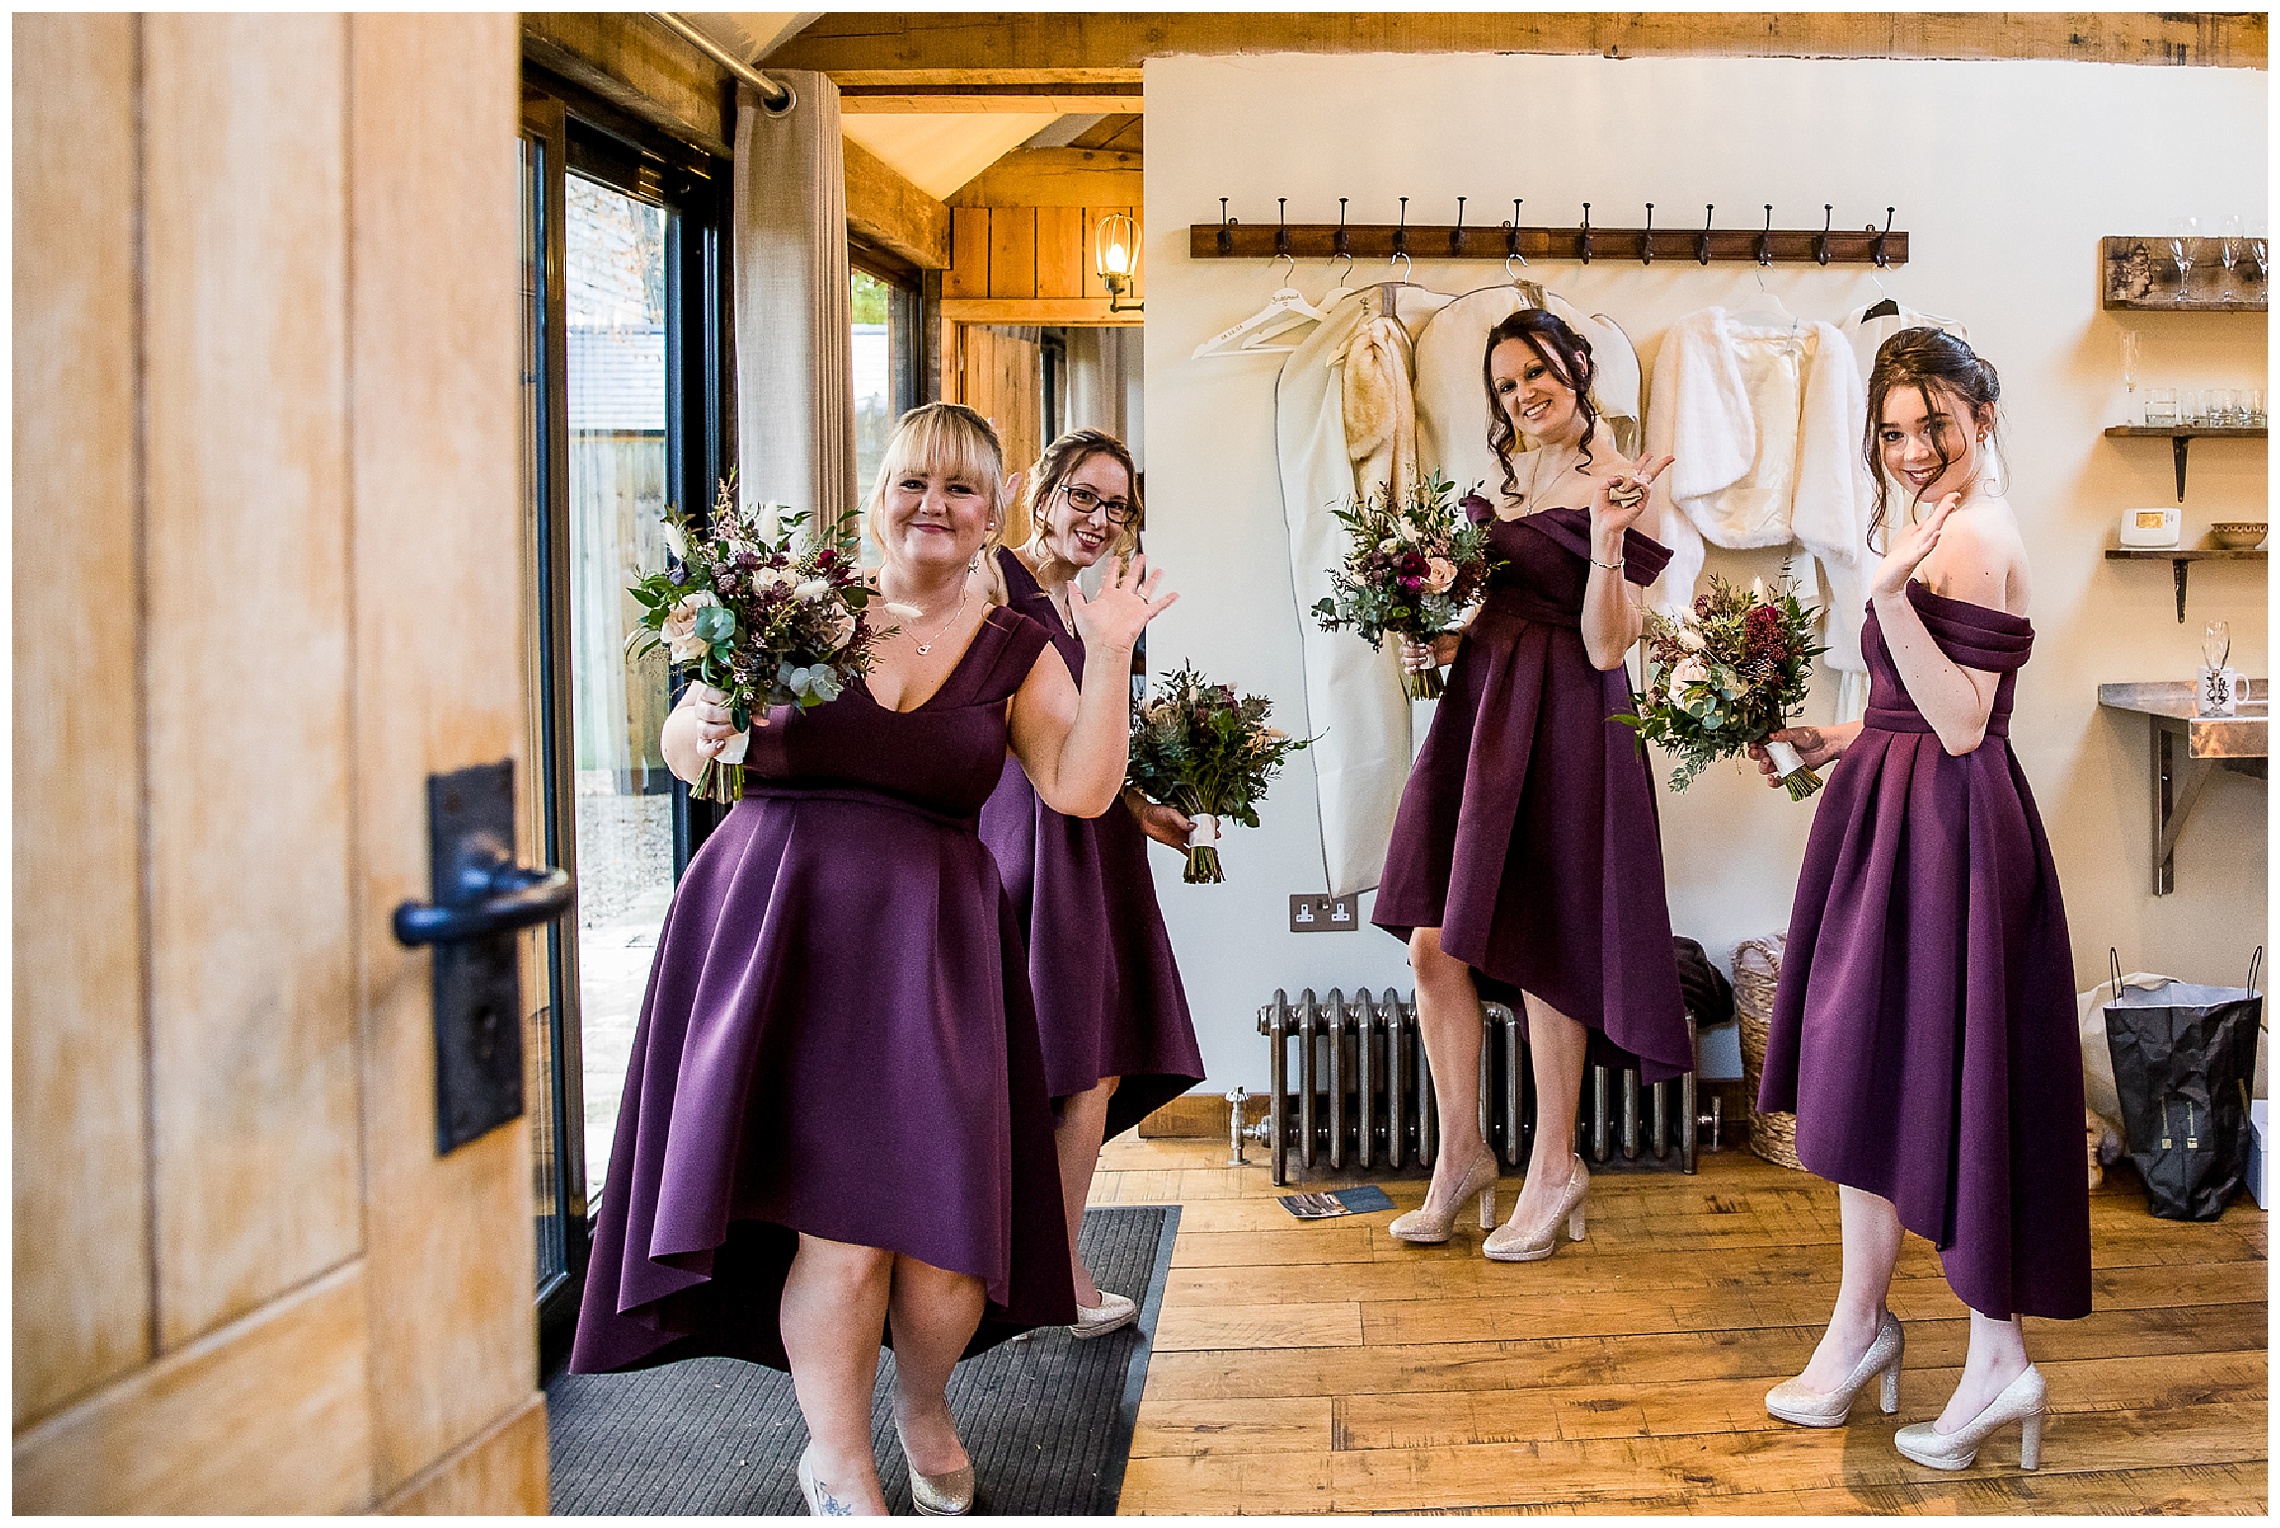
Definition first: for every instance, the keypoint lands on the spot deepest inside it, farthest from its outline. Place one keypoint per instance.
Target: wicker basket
(1757, 971)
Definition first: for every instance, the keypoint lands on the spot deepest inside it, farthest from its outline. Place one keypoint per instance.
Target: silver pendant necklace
(927, 646)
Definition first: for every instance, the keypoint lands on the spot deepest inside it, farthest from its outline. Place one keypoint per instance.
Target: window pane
(614, 290)
(538, 1061)
(874, 375)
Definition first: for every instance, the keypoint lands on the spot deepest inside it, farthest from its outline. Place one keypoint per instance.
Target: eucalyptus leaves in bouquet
(1726, 675)
(1209, 752)
(1415, 564)
(763, 621)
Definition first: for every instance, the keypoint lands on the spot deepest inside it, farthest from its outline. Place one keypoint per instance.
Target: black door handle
(491, 894)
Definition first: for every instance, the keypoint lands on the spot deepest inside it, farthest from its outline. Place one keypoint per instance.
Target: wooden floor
(1324, 1367)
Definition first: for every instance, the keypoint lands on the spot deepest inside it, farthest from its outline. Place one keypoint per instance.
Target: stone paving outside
(625, 882)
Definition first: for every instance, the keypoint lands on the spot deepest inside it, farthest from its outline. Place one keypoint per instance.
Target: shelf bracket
(2177, 445)
(2177, 566)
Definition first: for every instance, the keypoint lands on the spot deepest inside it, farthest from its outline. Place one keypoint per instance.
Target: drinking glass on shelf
(2161, 406)
(2182, 233)
(2216, 644)
(2228, 254)
(2252, 408)
(2224, 407)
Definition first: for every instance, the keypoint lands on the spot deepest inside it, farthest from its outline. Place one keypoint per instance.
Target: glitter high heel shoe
(1424, 1227)
(1792, 1402)
(2020, 1402)
(946, 1495)
(1510, 1244)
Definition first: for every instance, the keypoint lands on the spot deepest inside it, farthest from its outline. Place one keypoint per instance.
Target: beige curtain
(795, 387)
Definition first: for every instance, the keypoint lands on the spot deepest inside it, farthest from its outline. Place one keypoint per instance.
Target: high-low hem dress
(1527, 832)
(837, 1039)
(1107, 989)
(1924, 1030)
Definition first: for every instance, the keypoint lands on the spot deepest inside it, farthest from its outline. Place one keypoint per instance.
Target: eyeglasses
(1084, 501)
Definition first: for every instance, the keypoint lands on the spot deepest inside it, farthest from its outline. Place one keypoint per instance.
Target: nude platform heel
(1427, 1229)
(1509, 1244)
(1792, 1402)
(2020, 1402)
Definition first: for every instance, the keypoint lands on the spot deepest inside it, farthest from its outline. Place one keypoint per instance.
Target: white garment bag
(1355, 709)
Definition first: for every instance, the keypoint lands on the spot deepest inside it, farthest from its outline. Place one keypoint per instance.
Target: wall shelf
(2181, 436)
(2187, 748)
(2136, 275)
(2179, 557)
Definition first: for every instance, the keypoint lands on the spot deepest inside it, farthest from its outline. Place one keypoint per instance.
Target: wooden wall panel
(439, 685)
(1060, 251)
(267, 1415)
(969, 272)
(253, 1003)
(502, 1471)
(1013, 251)
(81, 1252)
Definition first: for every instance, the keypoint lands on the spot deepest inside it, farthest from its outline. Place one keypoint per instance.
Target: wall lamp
(1116, 258)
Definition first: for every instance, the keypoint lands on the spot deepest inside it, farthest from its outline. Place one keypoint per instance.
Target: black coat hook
(1585, 242)
(1512, 230)
(1401, 233)
(1457, 234)
(1821, 244)
(1340, 246)
(1282, 228)
(1702, 240)
(1226, 229)
(1765, 239)
(1881, 261)
(1647, 239)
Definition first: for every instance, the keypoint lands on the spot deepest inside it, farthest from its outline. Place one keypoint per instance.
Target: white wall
(2005, 175)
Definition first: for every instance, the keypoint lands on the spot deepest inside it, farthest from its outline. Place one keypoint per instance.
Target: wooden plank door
(266, 553)
(1003, 383)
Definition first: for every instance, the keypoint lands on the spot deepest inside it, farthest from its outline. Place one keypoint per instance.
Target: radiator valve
(1238, 1132)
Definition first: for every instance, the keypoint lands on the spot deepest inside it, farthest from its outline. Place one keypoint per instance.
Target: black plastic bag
(2183, 1057)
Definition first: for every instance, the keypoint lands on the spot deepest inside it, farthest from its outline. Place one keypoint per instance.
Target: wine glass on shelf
(2216, 644)
(2228, 253)
(2182, 233)
(2129, 373)
(2259, 271)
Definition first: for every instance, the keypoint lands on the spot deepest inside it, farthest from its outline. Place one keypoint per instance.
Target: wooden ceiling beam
(1027, 98)
(1008, 45)
(885, 209)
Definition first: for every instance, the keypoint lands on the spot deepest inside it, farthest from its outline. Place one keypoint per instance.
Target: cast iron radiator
(1363, 1093)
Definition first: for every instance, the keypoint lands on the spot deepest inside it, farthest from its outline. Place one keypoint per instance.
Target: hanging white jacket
(1866, 335)
(1764, 424)
(1355, 711)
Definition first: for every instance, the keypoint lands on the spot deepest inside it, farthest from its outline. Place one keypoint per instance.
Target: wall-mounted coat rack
(1233, 239)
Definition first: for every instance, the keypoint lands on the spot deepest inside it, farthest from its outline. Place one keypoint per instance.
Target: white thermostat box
(2157, 527)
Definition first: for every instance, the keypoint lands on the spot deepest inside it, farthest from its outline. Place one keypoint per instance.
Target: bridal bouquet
(763, 623)
(1415, 565)
(1725, 676)
(1209, 752)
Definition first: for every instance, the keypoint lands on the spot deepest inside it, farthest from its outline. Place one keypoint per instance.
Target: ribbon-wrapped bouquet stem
(763, 621)
(1209, 752)
(1728, 674)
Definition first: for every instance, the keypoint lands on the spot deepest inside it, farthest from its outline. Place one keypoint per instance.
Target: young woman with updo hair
(1525, 861)
(1111, 1012)
(1924, 1030)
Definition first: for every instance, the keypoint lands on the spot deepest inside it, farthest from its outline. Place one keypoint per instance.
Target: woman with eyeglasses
(1111, 1012)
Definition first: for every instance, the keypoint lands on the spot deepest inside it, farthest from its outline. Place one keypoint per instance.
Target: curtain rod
(776, 97)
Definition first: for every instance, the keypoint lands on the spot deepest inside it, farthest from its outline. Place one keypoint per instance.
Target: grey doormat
(1047, 1419)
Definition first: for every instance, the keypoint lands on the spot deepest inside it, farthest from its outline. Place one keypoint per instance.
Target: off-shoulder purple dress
(1527, 832)
(837, 1038)
(1108, 993)
(1924, 1029)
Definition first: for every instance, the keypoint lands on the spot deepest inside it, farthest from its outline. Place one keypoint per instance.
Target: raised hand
(1126, 603)
(1910, 546)
(1622, 498)
(1009, 494)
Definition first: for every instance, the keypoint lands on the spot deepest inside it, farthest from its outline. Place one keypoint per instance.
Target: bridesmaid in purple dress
(1924, 1030)
(1118, 1040)
(835, 1124)
(1525, 853)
